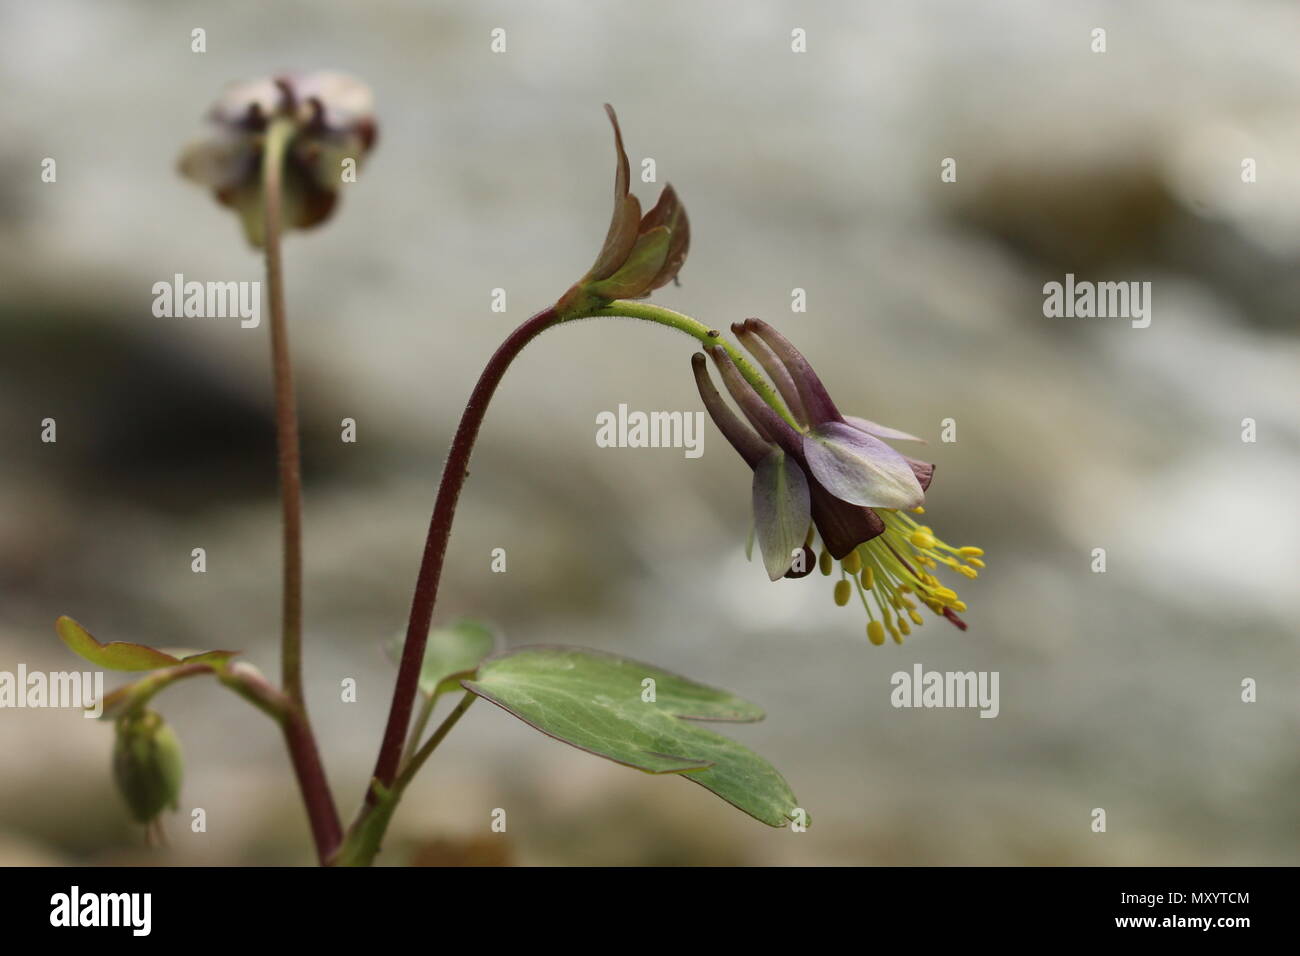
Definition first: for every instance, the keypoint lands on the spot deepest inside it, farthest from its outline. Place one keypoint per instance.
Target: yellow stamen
(896, 566)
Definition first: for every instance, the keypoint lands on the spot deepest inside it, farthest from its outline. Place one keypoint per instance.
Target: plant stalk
(454, 473)
(327, 831)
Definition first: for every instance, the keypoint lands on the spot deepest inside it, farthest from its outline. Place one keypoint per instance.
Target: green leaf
(451, 653)
(125, 656)
(594, 701)
(632, 280)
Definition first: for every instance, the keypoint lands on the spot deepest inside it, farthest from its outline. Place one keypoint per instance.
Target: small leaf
(633, 278)
(451, 653)
(214, 659)
(113, 656)
(125, 656)
(620, 239)
(597, 702)
(670, 212)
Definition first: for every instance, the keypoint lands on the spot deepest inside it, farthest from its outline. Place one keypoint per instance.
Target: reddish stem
(327, 831)
(435, 545)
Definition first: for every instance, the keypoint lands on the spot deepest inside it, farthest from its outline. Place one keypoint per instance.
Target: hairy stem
(623, 308)
(286, 416)
(326, 829)
(454, 473)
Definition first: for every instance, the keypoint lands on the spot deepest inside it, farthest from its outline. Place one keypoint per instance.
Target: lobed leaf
(595, 701)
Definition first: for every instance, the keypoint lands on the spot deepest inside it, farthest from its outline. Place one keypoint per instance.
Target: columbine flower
(641, 253)
(815, 469)
(334, 118)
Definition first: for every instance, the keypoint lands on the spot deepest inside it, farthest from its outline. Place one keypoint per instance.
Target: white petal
(859, 469)
(781, 511)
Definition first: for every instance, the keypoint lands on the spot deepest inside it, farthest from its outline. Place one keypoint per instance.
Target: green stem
(625, 308)
(417, 760)
(364, 839)
(136, 694)
(421, 722)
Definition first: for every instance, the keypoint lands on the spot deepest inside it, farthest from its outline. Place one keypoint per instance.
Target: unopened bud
(147, 764)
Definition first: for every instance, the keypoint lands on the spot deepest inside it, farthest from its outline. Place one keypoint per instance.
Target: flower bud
(333, 121)
(641, 253)
(147, 764)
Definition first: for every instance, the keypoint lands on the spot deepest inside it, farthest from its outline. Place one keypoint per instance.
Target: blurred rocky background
(817, 170)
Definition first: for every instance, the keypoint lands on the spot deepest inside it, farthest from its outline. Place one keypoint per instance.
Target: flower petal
(842, 526)
(744, 439)
(881, 431)
(923, 470)
(817, 401)
(781, 511)
(777, 372)
(771, 426)
(345, 102)
(221, 160)
(860, 469)
(261, 96)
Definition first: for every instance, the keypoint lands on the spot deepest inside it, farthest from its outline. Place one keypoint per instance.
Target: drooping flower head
(641, 253)
(818, 473)
(334, 121)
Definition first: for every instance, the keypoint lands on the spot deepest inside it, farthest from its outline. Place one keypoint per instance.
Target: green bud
(641, 253)
(147, 764)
